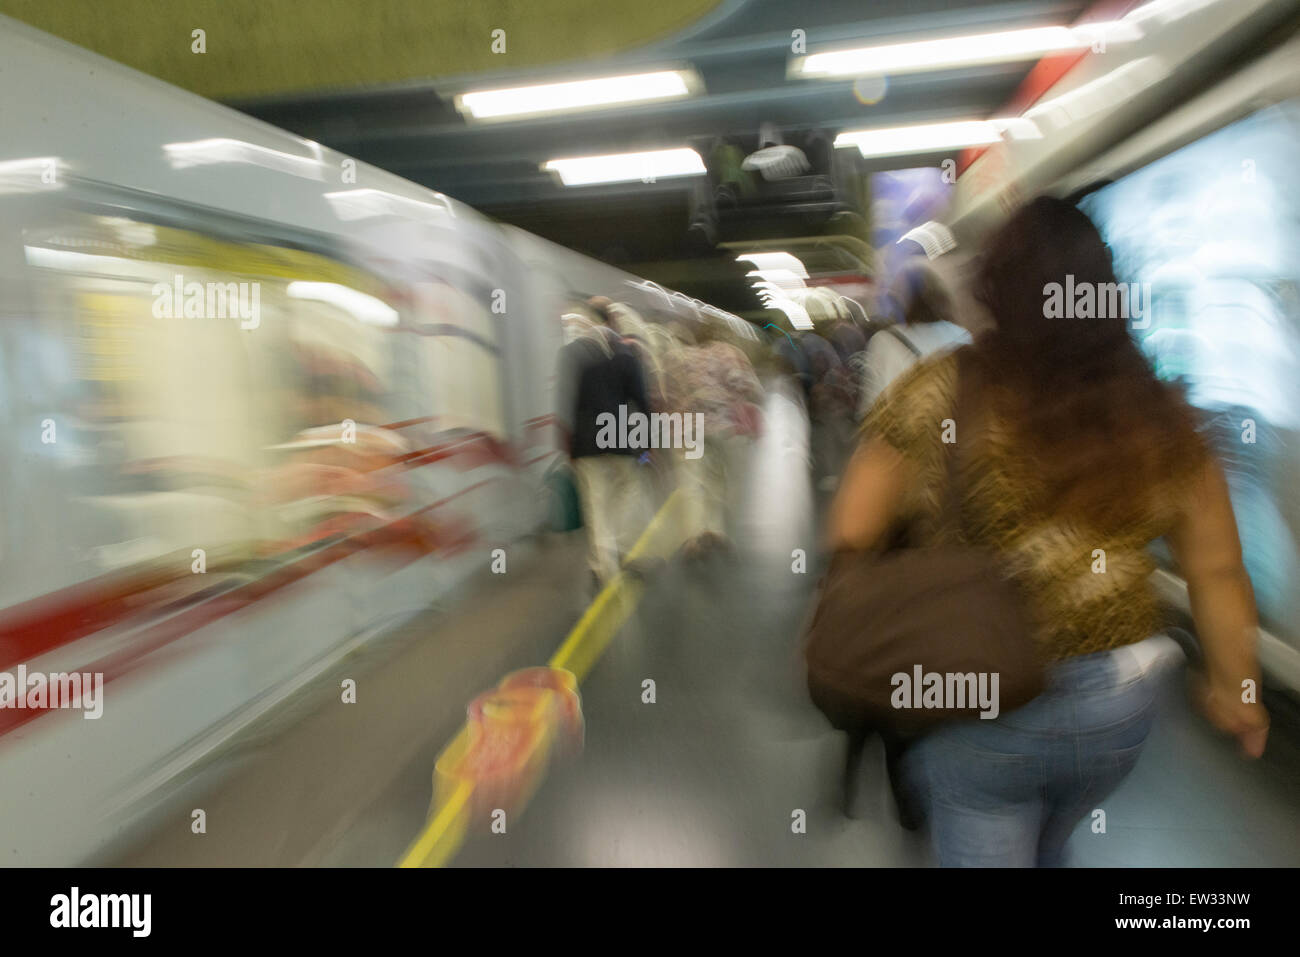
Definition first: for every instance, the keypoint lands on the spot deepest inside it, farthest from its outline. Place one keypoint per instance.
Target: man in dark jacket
(601, 382)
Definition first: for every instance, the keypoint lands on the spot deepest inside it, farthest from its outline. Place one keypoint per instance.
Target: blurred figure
(789, 359)
(834, 396)
(832, 389)
(823, 362)
(926, 330)
(636, 335)
(848, 339)
(717, 380)
(655, 350)
(600, 377)
(1084, 458)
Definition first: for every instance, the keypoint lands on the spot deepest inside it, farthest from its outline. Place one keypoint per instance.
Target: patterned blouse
(715, 379)
(1088, 591)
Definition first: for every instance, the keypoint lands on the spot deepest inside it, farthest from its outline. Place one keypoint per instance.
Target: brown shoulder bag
(918, 636)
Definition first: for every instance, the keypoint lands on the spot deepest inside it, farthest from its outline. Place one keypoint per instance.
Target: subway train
(261, 403)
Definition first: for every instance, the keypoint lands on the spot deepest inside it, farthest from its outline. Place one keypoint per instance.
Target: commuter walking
(600, 377)
(1080, 459)
(717, 381)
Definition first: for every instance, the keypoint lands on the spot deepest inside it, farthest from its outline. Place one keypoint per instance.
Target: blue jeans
(1010, 791)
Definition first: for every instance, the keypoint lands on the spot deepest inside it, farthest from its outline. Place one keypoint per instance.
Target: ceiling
(258, 48)
(376, 81)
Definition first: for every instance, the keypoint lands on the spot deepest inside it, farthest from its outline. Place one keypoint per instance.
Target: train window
(219, 395)
(460, 357)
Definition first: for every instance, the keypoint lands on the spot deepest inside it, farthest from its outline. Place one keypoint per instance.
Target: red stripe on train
(46, 633)
(79, 610)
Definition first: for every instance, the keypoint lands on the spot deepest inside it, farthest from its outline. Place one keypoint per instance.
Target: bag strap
(897, 333)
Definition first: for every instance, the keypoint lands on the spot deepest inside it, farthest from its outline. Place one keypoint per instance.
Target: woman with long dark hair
(1081, 459)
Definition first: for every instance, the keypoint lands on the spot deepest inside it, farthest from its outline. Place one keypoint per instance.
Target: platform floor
(711, 773)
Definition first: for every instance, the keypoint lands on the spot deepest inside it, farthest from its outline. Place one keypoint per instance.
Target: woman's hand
(1223, 706)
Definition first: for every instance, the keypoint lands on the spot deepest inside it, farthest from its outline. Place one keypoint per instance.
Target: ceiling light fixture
(775, 260)
(576, 95)
(1006, 46)
(626, 167)
(924, 138)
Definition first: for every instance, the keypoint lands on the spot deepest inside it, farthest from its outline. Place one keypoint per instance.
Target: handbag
(918, 636)
(565, 505)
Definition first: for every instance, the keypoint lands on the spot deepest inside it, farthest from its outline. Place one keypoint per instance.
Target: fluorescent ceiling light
(575, 95)
(364, 307)
(944, 53)
(626, 167)
(926, 138)
(776, 260)
(796, 313)
(780, 278)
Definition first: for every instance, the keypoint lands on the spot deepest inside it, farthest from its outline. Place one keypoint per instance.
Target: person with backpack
(601, 380)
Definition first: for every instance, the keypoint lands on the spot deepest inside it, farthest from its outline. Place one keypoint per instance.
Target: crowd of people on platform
(614, 359)
(616, 364)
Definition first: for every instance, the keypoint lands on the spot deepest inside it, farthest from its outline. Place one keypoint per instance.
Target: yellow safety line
(442, 836)
(440, 839)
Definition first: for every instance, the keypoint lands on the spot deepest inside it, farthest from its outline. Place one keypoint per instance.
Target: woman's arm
(1208, 551)
(870, 497)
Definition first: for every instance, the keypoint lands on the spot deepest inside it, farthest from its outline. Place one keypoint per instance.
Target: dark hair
(1106, 434)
